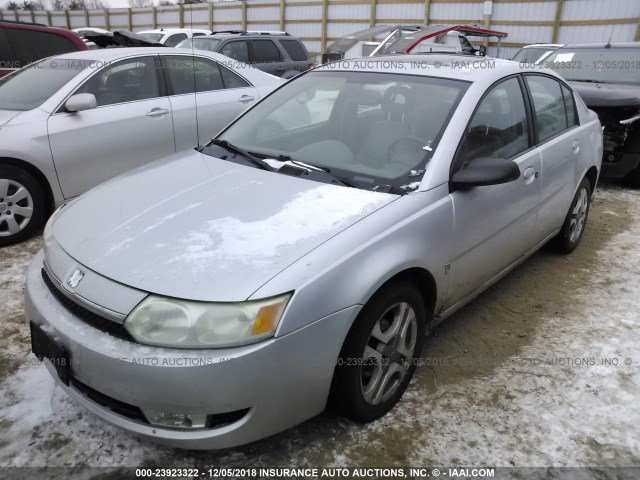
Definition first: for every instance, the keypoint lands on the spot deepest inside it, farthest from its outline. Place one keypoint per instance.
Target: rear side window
(265, 51)
(295, 50)
(570, 106)
(185, 74)
(231, 79)
(238, 50)
(548, 102)
(175, 39)
(31, 45)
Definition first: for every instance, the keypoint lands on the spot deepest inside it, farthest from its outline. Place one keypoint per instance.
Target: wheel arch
(592, 176)
(36, 173)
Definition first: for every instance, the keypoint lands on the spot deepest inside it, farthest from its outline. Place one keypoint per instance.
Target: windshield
(531, 55)
(605, 65)
(200, 43)
(30, 86)
(154, 37)
(371, 129)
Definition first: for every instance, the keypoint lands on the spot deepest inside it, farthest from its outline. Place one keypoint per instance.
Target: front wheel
(574, 224)
(22, 205)
(380, 354)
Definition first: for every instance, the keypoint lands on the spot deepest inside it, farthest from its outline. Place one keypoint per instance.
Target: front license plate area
(44, 346)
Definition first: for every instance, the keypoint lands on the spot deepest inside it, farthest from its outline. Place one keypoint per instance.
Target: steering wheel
(409, 148)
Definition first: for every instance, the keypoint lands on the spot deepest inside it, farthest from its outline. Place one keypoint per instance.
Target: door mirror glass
(80, 102)
(486, 171)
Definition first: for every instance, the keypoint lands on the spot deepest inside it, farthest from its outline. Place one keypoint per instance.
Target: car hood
(197, 227)
(607, 94)
(7, 115)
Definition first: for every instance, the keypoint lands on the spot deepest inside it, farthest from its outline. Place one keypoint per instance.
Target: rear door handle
(576, 146)
(157, 112)
(246, 99)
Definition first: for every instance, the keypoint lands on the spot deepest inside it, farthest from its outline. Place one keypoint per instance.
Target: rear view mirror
(486, 171)
(482, 50)
(80, 102)
(306, 96)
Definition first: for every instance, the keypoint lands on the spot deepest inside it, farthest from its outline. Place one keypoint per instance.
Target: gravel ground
(541, 370)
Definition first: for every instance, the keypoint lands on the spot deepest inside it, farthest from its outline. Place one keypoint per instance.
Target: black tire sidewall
(37, 195)
(346, 395)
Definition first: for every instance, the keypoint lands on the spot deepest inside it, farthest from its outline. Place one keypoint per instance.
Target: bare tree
(13, 6)
(57, 5)
(96, 4)
(140, 3)
(33, 5)
(165, 3)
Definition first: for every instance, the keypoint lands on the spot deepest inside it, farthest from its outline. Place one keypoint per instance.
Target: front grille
(116, 406)
(87, 316)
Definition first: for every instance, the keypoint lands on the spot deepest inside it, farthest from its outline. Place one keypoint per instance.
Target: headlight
(48, 228)
(169, 322)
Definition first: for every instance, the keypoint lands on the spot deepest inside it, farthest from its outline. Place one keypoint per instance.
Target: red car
(22, 43)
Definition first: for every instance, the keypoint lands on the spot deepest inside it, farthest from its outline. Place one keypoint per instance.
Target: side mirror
(486, 171)
(482, 50)
(80, 102)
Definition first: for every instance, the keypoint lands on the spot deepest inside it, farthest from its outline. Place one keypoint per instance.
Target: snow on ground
(543, 396)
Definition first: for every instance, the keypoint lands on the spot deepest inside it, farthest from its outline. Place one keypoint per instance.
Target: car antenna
(193, 67)
(608, 45)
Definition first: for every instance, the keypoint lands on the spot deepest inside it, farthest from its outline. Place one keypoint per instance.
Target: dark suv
(277, 53)
(22, 43)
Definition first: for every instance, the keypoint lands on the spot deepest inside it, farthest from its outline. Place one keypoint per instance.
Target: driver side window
(499, 126)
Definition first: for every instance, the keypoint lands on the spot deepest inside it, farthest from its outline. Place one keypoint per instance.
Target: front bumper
(280, 382)
(616, 165)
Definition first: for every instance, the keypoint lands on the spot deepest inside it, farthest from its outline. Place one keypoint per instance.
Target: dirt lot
(542, 369)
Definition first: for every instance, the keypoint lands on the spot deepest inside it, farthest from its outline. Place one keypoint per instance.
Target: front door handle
(529, 175)
(246, 99)
(157, 112)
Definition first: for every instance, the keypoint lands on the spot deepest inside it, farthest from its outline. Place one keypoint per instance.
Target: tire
(366, 383)
(22, 205)
(575, 222)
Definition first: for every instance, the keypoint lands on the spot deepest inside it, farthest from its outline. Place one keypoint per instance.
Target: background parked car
(22, 43)
(171, 37)
(536, 53)
(607, 77)
(81, 118)
(277, 53)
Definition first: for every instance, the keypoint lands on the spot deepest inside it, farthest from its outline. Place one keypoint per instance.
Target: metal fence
(318, 22)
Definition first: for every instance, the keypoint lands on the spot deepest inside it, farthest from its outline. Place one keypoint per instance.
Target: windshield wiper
(258, 162)
(310, 168)
(584, 80)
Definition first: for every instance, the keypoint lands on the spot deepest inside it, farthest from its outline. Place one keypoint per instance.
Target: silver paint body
(211, 230)
(76, 151)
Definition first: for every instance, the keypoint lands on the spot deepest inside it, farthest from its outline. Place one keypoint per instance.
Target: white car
(536, 53)
(70, 122)
(171, 37)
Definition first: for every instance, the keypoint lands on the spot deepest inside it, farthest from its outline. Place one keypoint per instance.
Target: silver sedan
(70, 122)
(224, 294)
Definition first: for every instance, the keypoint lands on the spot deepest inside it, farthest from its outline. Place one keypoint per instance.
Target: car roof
(454, 66)
(603, 45)
(111, 54)
(544, 45)
(175, 30)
